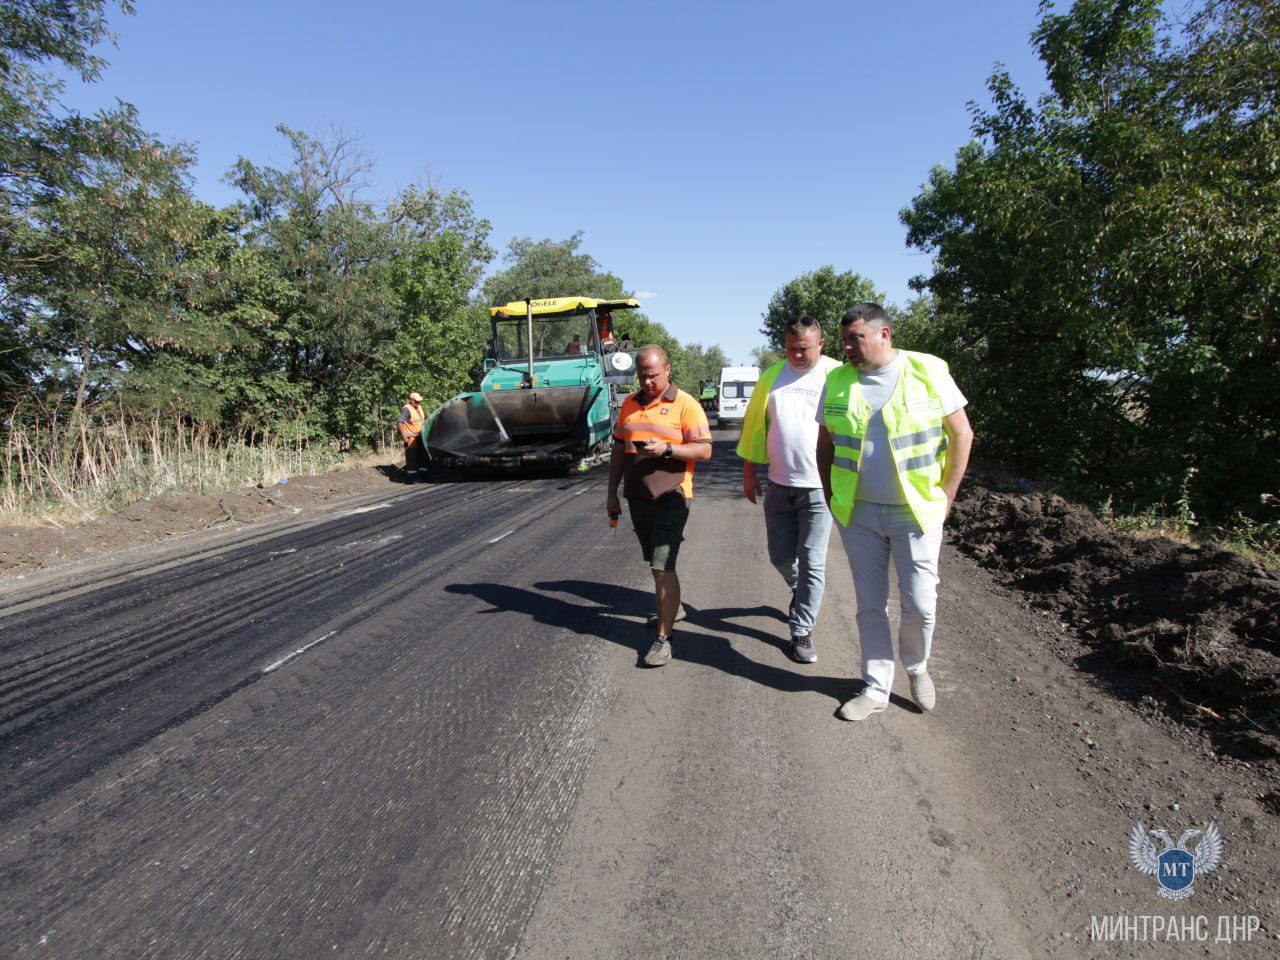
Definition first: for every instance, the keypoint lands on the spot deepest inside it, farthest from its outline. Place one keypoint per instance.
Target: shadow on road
(721, 476)
(615, 614)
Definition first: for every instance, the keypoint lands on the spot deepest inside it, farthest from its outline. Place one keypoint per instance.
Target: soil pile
(32, 547)
(1195, 627)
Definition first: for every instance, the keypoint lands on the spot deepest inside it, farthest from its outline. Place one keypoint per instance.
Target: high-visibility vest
(913, 418)
(754, 442)
(413, 426)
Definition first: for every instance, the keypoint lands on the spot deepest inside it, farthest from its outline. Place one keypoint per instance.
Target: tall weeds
(54, 468)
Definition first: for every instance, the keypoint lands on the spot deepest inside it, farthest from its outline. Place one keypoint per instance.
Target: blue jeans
(798, 523)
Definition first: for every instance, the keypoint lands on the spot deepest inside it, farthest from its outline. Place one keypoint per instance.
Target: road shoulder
(728, 813)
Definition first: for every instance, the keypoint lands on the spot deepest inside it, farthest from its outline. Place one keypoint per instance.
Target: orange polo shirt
(673, 417)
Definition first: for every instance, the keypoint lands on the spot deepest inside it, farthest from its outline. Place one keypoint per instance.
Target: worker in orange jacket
(410, 427)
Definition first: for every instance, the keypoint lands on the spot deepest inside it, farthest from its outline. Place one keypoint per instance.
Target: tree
(699, 363)
(1105, 260)
(820, 293)
(765, 357)
(111, 258)
(47, 154)
(550, 268)
(440, 249)
(336, 309)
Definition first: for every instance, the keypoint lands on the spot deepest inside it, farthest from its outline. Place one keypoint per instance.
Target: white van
(736, 384)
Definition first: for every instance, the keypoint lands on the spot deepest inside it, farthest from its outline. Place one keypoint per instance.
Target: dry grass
(57, 472)
(1257, 540)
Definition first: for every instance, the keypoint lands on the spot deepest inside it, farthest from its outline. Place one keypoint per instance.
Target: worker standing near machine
(661, 433)
(410, 426)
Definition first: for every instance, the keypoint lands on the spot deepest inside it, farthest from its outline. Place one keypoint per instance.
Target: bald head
(654, 351)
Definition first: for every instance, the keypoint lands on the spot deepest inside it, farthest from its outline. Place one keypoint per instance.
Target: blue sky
(709, 151)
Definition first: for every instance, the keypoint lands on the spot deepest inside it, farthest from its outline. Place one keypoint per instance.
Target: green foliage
(441, 249)
(47, 155)
(823, 294)
(1106, 264)
(765, 357)
(336, 307)
(644, 331)
(549, 268)
(701, 363)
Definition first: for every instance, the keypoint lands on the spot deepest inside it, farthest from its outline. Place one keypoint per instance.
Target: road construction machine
(555, 374)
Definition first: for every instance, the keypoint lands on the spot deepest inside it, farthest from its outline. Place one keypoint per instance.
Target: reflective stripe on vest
(917, 439)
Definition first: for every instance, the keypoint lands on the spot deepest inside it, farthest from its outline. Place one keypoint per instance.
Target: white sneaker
(922, 691)
(860, 707)
(659, 652)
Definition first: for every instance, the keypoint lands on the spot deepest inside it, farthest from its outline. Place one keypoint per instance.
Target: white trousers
(876, 533)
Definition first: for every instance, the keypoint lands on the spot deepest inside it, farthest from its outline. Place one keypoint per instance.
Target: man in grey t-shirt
(882, 525)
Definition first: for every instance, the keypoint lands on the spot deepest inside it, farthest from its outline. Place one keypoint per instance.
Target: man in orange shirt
(661, 433)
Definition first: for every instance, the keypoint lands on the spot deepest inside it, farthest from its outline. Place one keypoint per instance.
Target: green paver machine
(555, 376)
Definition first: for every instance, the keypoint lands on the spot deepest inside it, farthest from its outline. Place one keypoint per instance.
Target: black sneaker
(802, 649)
(659, 652)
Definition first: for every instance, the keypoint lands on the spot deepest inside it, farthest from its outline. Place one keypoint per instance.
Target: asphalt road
(412, 725)
(335, 736)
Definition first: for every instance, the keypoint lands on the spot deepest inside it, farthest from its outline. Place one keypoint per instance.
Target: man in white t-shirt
(891, 496)
(779, 430)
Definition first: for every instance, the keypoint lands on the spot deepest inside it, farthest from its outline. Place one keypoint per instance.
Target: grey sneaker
(802, 649)
(659, 652)
(860, 707)
(652, 620)
(922, 691)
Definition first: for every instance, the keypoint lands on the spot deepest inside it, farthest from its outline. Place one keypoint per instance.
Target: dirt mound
(1195, 627)
(32, 547)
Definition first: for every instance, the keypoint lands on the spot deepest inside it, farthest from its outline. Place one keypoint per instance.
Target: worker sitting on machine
(604, 324)
(497, 350)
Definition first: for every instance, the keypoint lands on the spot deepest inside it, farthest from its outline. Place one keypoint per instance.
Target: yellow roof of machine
(557, 306)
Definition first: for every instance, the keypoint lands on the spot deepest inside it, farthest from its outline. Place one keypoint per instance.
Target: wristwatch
(666, 454)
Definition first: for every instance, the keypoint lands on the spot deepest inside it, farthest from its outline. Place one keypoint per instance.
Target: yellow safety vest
(753, 445)
(913, 418)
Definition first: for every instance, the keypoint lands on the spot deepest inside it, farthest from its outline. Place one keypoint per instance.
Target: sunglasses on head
(805, 322)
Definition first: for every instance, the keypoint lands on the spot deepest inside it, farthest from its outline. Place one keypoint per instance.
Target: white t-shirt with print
(792, 441)
(877, 472)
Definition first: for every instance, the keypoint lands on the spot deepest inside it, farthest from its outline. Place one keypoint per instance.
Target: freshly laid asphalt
(177, 779)
(413, 725)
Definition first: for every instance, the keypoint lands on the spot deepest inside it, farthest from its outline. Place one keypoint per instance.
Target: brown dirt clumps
(1195, 627)
(25, 548)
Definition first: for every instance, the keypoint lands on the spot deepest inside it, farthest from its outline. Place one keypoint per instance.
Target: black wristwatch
(666, 454)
